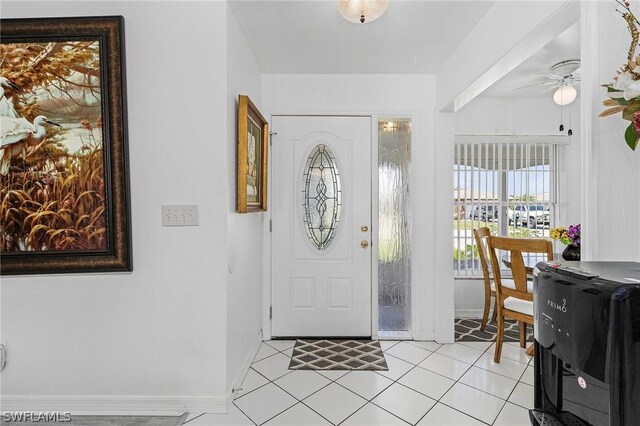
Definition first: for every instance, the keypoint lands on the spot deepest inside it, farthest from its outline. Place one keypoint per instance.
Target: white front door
(321, 234)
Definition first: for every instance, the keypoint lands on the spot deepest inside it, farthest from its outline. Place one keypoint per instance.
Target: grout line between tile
(190, 420)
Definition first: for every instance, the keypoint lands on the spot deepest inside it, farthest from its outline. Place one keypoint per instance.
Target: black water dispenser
(587, 332)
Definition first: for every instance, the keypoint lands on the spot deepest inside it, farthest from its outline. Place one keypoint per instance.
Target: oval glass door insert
(322, 196)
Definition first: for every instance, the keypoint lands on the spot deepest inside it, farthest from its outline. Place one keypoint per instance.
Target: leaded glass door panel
(321, 213)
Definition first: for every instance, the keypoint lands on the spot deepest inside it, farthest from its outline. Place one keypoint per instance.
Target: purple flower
(574, 234)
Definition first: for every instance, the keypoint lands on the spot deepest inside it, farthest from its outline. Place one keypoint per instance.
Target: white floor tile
(441, 415)
(288, 352)
(251, 381)
(273, 367)
(386, 344)
(522, 395)
(298, 415)
(264, 352)
(397, 367)
(281, 345)
(332, 374)
(372, 415)
(264, 403)
(513, 415)
(405, 403)
(335, 403)
(528, 376)
(367, 384)
(489, 382)
(302, 383)
(425, 344)
(446, 366)
(515, 353)
(482, 346)
(460, 352)
(408, 352)
(427, 382)
(233, 418)
(473, 402)
(506, 367)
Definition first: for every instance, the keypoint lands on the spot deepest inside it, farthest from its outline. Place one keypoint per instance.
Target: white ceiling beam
(508, 34)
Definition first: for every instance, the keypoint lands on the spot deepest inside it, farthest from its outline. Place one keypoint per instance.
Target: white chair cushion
(511, 284)
(519, 305)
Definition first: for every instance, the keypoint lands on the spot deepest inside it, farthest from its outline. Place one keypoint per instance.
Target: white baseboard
(244, 368)
(425, 336)
(115, 405)
(469, 313)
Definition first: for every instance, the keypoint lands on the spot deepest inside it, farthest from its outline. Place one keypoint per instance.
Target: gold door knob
(364, 228)
(364, 244)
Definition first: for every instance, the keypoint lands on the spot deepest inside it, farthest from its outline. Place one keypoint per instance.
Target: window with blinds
(508, 187)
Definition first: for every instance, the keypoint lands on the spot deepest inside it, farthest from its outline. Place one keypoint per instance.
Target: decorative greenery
(567, 236)
(470, 252)
(624, 91)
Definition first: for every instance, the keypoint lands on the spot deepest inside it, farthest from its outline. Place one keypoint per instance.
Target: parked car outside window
(528, 215)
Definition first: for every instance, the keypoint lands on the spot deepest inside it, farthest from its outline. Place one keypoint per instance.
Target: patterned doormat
(337, 355)
(468, 330)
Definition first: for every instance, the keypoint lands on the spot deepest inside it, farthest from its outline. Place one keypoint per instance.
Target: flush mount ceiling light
(362, 10)
(564, 95)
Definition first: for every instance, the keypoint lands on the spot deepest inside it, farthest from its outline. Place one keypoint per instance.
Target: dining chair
(481, 235)
(515, 303)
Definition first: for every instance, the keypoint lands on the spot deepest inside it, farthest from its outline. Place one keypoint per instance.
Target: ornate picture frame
(64, 185)
(253, 140)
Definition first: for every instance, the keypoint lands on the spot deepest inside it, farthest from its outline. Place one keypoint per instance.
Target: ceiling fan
(562, 77)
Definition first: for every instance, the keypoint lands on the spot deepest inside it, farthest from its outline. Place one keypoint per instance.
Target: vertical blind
(508, 187)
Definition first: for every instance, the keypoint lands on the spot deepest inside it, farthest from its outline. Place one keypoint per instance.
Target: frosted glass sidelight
(322, 196)
(394, 248)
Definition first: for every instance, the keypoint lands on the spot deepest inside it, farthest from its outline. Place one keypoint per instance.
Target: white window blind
(508, 187)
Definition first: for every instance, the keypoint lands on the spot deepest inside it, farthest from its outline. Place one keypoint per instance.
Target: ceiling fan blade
(537, 84)
(548, 89)
(577, 71)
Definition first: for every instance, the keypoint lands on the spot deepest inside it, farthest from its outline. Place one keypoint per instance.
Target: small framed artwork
(64, 190)
(253, 139)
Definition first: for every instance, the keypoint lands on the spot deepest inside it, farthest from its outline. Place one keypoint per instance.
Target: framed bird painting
(253, 137)
(63, 157)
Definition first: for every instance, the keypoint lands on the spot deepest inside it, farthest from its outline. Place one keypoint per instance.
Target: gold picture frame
(253, 139)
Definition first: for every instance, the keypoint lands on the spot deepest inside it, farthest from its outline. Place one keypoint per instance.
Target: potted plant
(571, 238)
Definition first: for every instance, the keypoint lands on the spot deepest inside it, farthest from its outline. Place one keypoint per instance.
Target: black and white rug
(468, 330)
(325, 354)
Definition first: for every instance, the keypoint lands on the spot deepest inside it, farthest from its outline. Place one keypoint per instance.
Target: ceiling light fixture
(362, 10)
(564, 95)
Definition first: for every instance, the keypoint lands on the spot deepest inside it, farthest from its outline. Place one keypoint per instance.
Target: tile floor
(427, 384)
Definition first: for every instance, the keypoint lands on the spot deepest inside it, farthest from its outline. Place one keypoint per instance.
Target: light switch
(179, 215)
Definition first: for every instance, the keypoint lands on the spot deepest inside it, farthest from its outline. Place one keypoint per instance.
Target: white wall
(523, 116)
(244, 231)
(379, 94)
(151, 340)
(612, 173)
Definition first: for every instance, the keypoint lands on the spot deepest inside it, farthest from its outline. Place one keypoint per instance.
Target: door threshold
(395, 335)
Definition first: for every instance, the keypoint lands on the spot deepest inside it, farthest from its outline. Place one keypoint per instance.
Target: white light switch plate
(179, 215)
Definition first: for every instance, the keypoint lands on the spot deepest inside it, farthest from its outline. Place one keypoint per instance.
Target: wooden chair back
(515, 247)
(481, 235)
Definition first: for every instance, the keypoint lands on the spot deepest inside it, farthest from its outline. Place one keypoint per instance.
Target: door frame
(267, 278)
